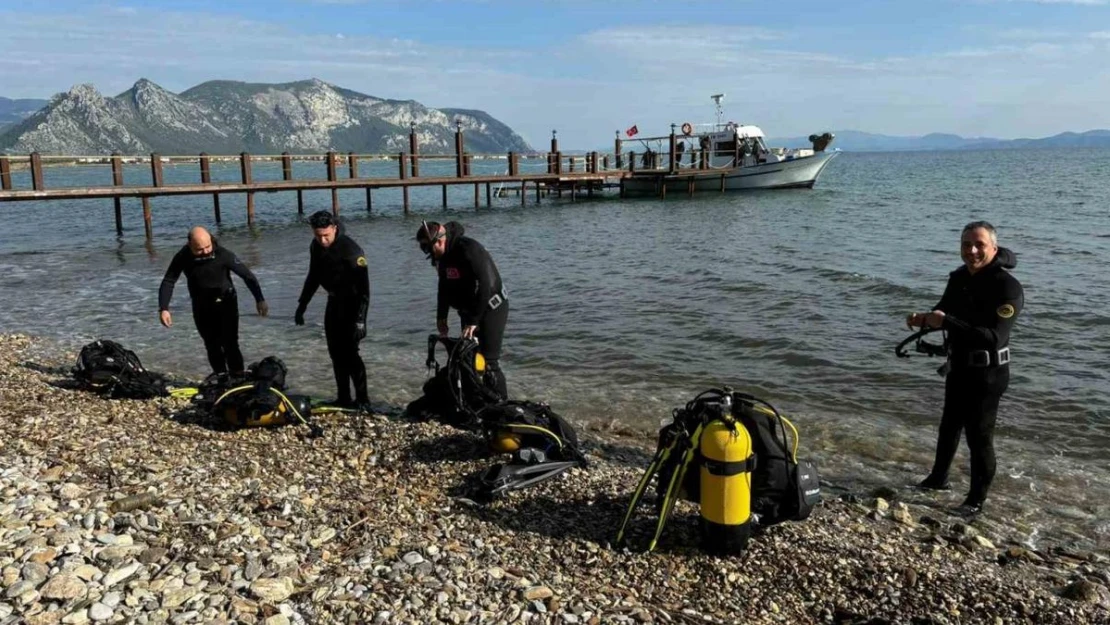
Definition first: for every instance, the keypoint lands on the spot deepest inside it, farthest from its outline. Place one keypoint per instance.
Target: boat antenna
(717, 97)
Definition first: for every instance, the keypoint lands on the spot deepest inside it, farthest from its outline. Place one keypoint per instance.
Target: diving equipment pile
(543, 445)
(112, 371)
(255, 398)
(458, 393)
(723, 451)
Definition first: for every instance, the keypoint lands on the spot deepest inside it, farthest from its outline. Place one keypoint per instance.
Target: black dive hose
(921, 346)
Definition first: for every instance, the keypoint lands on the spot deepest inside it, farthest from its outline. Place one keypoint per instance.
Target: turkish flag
(633, 131)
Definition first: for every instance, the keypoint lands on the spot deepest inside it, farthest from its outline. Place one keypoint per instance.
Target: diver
(978, 309)
(207, 267)
(470, 283)
(338, 264)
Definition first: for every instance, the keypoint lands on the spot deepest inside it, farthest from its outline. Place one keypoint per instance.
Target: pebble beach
(123, 511)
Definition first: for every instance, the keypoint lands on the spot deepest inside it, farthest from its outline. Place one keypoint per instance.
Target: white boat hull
(794, 173)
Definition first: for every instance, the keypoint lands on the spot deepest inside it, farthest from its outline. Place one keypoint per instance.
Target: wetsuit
(341, 269)
(980, 310)
(470, 283)
(215, 304)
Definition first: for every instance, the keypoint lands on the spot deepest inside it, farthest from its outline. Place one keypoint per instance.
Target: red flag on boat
(633, 131)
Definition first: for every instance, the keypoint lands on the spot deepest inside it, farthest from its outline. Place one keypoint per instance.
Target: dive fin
(671, 496)
(641, 487)
(502, 478)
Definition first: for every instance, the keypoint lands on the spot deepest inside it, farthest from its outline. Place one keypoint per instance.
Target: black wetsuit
(980, 310)
(341, 270)
(470, 283)
(215, 304)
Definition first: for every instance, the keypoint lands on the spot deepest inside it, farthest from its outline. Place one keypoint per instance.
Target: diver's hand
(263, 308)
(298, 317)
(934, 319)
(441, 325)
(166, 318)
(468, 332)
(360, 331)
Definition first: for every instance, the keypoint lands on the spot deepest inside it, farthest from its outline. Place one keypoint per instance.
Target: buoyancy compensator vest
(107, 368)
(783, 488)
(457, 390)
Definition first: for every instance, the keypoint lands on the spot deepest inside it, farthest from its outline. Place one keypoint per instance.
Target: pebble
(35, 572)
(273, 590)
(100, 612)
(64, 586)
(538, 592)
(117, 575)
(412, 558)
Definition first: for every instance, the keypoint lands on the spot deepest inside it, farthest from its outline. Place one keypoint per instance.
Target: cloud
(590, 84)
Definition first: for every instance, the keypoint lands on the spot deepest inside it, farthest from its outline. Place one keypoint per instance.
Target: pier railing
(117, 176)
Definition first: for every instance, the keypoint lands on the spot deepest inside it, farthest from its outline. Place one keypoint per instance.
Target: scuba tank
(726, 481)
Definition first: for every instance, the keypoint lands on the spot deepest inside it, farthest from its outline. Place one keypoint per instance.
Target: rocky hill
(227, 117)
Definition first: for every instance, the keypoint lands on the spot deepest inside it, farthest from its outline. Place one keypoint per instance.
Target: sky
(996, 68)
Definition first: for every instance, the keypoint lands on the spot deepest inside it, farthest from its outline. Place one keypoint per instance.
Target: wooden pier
(590, 172)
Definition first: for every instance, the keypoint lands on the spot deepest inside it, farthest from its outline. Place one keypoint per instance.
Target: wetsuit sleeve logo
(452, 273)
(1006, 311)
(361, 262)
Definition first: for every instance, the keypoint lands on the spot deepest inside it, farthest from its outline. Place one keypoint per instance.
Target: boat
(724, 156)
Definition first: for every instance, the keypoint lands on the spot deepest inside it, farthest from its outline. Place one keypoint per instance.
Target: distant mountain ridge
(228, 117)
(14, 111)
(858, 141)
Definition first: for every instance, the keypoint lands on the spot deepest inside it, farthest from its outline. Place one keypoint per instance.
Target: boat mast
(717, 97)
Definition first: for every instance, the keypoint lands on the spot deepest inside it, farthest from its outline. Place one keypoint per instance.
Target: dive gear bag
(107, 368)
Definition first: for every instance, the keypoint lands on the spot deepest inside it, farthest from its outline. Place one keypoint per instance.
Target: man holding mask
(978, 309)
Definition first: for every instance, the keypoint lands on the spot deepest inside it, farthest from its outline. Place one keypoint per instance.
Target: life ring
(687, 129)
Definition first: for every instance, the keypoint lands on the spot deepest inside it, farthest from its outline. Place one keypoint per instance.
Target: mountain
(12, 111)
(1089, 139)
(856, 141)
(227, 117)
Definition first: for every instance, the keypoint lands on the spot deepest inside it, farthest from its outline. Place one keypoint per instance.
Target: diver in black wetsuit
(978, 310)
(338, 264)
(208, 268)
(470, 283)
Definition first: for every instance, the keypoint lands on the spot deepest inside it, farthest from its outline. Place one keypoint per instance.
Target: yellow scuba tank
(727, 462)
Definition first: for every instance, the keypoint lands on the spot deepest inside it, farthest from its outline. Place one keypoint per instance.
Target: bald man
(207, 268)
